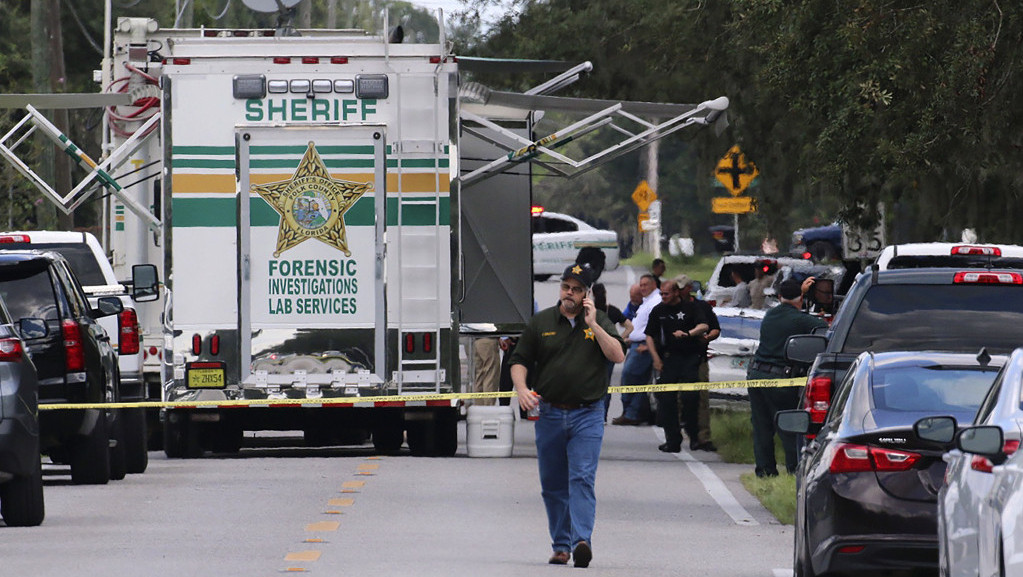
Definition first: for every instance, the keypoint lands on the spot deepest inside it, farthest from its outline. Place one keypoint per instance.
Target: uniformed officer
(780, 323)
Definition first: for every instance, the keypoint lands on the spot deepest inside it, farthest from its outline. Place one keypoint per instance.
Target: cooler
(490, 431)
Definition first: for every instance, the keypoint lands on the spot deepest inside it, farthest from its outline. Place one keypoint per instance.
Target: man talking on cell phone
(568, 345)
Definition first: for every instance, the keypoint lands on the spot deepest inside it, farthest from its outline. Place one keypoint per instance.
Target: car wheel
(802, 563)
(21, 499)
(136, 451)
(541, 277)
(118, 465)
(90, 455)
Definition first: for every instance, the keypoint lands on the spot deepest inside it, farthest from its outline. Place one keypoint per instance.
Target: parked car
(944, 309)
(21, 472)
(948, 254)
(89, 263)
(820, 243)
(558, 240)
(964, 501)
(730, 353)
(720, 287)
(867, 485)
(74, 360)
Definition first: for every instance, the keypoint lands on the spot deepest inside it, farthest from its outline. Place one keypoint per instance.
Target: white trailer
(328, 211)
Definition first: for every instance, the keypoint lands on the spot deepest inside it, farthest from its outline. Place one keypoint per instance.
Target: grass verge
(697, 267)
(733, 435)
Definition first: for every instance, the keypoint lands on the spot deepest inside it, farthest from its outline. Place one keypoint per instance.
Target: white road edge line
(783, 572)
(714, 486)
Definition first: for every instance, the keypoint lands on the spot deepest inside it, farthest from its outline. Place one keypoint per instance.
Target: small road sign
(643, 195)
(734, 205)
(735, 172)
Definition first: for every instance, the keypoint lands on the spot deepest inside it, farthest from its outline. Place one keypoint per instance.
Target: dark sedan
(867, 486)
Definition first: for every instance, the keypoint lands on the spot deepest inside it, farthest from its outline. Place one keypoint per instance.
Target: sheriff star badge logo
(312, 204)
(588, 335)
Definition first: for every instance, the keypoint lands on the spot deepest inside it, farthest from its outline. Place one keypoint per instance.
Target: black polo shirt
(665, 319)
(568, 364)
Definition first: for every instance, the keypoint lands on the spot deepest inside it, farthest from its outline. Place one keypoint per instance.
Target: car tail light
(427, 342)
(196, 344)
(74, 352)
(973, 249)
(712, 302)
(852, 549)
(215, 345)
(850, 458)
(410, 343)
(818, 397)
(11, 350)
(984, 465)
(807, 255)
(128, 332)
(987, 277)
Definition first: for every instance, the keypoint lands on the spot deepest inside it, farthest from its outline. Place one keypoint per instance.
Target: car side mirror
(803, 349)
(936, 429)
(33, 328)
(985, 440)
(107, 306)
(145, 283)
(796, 421)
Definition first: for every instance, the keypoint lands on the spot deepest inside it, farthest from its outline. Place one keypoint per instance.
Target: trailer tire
(180, 437)
(90, 455)
(21, 499)
(136, 450)
(389, 431)
(227, 439)
(436, 436)
(118, 460)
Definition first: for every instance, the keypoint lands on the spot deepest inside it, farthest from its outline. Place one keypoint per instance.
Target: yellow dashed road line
(302, 556)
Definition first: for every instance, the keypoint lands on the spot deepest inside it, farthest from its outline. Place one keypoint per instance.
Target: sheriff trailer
(329, 211)
(306, 232)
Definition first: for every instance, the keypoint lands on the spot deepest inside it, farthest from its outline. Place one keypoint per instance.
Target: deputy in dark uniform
(673, 335)
(780, 323)
(568, 347)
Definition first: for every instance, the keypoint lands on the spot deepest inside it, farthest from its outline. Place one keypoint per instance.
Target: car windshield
(956, 317)
(78, 255)
(937, 389)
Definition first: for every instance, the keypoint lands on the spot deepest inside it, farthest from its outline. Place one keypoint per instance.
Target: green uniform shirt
(566, 362)
(780, 323)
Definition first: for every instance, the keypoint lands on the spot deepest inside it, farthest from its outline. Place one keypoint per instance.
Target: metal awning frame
(98, 174)
(703, 114)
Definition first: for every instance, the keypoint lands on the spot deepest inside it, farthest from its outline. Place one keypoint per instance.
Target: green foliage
(842, 105)
(776, 494)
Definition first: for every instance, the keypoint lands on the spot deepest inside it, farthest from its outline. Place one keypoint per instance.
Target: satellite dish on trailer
(270, 5)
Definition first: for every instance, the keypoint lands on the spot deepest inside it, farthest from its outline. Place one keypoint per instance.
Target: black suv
(959, 309)
(74, 360)
(21, 473)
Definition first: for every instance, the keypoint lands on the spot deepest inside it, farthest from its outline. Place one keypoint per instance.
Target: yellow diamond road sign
(643, 195)
(735, 205)
(735, 172)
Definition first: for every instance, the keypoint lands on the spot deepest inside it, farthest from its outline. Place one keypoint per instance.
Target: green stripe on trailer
(222, 212)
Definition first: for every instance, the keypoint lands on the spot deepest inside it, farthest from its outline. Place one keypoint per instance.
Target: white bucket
(490, 431)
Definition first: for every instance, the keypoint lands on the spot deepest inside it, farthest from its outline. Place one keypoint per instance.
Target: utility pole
(654, 236)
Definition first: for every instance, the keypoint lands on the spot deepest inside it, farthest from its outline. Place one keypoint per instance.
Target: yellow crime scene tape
(350, 401)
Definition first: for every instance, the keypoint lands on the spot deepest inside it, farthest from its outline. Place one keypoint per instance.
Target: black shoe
(764, 474)
(582, 554)
(559, 558)
(666, 448)
(704, 446)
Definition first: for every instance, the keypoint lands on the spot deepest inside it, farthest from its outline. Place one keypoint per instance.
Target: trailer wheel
(180, 437)
(434, 436)
(21, 498)
(136, 450)
(388, 431)
(118, 461)
(90, 455)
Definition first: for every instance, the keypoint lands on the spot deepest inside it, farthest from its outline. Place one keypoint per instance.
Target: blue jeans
(636, 371)
(567, 452)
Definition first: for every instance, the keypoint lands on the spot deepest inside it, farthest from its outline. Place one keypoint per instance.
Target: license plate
(206, 376)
